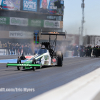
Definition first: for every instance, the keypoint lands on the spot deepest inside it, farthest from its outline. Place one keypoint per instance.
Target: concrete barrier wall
(69, 54)
(3, 51)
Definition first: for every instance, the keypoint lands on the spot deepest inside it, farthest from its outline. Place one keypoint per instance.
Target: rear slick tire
(59, 58)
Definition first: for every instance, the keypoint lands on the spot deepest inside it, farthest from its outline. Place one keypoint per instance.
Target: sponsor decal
(30, 22)
(36, 23)
(54, 60)
(20, 34)
(11, 4)
(56, 18)
(4, 20)
(28, 57)
(46, 62)
(24, 65)
(51, 6)
(30, 5)
(18, 21)
(51, 24)
(46, 57)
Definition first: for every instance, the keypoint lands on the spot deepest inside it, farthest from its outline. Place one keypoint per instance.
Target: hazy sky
(73, 16)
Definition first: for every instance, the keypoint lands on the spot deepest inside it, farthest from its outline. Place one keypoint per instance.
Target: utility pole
(82, 26)
(79, 35)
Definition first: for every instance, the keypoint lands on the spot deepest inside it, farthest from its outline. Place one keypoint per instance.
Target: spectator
(20, 48)
(17, 48)
(5, 46)
(14, 49)
(8, 50)
(11, 49)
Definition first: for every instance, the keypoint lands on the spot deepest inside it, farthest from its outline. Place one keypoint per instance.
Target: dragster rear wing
(53, 33)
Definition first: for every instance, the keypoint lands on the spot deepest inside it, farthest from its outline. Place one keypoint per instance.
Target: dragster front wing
(23, 65)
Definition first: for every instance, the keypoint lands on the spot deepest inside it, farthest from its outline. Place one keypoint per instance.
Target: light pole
(82, 23)
(79, 35)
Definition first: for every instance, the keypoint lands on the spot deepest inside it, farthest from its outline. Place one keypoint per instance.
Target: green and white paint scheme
(45, 60)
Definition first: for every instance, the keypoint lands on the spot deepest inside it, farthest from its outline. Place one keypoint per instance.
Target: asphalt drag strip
(48, 79)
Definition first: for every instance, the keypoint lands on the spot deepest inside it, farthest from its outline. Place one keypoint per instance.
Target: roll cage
(48, 45)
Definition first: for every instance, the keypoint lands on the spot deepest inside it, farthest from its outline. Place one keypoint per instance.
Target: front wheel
(18, 62)
(34, 62)
(34, 68)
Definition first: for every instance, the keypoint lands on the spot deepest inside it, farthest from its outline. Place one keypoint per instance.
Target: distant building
(92, 40)
(19, 19)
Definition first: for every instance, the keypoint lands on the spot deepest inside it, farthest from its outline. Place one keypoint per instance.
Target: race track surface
(45, 79)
